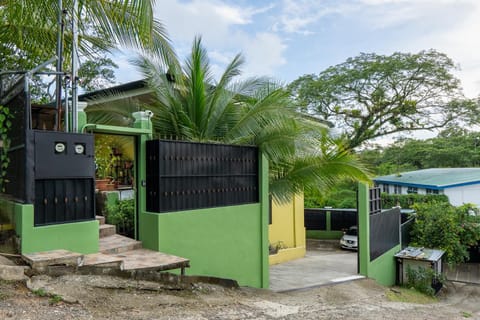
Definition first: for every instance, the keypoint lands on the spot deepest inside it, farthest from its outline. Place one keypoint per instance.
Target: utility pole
(75, 64)
(58, 91)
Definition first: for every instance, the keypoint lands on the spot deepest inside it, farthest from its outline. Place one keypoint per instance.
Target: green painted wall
(226, 242)
(223, 242)
(382, 269)
(81, 237)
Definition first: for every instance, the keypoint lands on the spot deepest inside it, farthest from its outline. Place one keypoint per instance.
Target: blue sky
(288, 38)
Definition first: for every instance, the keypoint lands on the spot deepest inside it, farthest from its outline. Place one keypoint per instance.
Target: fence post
(328, 219)
(363, 228)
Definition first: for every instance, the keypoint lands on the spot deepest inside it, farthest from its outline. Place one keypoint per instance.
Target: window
(412, 190)
(397, 189)
(386, 188)
(432, 191)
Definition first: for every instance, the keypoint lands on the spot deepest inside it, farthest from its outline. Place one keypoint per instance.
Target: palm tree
(190, 105)
(29, 28)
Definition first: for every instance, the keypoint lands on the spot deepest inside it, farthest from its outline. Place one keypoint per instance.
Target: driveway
(324, 263)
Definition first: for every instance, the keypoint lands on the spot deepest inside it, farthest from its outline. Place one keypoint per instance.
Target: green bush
(421, 279)
(439, 225)
(406, 201)
(122, 215)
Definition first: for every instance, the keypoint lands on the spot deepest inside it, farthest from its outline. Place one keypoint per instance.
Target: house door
(116, 186)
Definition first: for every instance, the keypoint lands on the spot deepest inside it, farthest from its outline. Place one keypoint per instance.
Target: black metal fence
(315, 219)
(406, 229)
(343, 219)
(384, 232)
(19, 177)
(375, 200)
(340, 219)
(184, 175)
(52, 170)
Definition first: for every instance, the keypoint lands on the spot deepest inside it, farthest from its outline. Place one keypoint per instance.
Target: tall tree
(373, 95)
(190, 105)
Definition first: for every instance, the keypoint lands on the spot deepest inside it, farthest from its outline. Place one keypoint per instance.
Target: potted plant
(103, 160)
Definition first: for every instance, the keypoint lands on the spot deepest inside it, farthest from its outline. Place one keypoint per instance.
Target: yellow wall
(288, 230)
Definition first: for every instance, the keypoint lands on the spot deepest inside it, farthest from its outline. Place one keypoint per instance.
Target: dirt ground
(106, 297)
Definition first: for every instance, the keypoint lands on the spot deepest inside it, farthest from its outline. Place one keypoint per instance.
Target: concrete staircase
(115, 252)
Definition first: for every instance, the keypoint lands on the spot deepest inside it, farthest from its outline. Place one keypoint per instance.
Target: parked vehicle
(349, 239)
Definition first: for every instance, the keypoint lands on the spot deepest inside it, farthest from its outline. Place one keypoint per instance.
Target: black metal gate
(185, 175)
(53, 170)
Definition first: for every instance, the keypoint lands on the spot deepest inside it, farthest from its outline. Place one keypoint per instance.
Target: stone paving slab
(39, 260)
(145, 259)
(103, 260)
(117, 244)
(106, 230)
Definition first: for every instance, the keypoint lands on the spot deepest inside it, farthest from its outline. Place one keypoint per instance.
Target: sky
(286, 39)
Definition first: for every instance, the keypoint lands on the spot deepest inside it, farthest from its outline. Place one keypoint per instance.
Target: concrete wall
(287, 230)
(81, 237)
(226, 242)
(382, 269)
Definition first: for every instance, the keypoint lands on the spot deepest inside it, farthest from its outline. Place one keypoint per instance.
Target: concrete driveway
(324, 263)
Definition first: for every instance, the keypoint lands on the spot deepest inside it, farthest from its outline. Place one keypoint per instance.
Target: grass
(399, 294)
(40, 292)
(55, 299)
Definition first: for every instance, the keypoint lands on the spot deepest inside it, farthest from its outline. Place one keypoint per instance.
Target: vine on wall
(5, 125)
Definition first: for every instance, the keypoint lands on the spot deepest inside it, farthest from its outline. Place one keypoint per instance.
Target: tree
(30, 27)
(190, 105)
(97, 74)
(373, 95)
(443, 226)
(453, 148)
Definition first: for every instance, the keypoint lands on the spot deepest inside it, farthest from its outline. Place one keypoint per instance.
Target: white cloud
(264, 54)
(224, 30)
(298, 16)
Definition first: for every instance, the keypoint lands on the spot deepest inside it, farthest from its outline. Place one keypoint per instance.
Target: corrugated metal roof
(436, 178)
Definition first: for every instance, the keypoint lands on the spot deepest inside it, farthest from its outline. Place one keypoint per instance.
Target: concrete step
(107, 230)
(101, 219)
(145, 259)
(40, 261)
(117, 244)
(103, 260)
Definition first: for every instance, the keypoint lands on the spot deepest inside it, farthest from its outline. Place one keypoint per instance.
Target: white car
(349, 239)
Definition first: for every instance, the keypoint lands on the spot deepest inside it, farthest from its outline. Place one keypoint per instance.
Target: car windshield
(352, 232)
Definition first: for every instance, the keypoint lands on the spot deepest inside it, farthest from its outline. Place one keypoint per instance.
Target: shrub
(421, 279)
(443, 226)
(406, 201)
(122, 215)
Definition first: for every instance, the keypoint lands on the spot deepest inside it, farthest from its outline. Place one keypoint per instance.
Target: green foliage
(340, 195)
(421, 278)
(122, 215)
(5, 126)
(55, 299)
(452, 148)
(371, 95)
(40, 292)
(442, 226)
(407, 201)
(189, 105)
(31, 26)
(97, 74)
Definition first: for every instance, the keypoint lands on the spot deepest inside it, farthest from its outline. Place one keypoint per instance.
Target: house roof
(437, 178)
